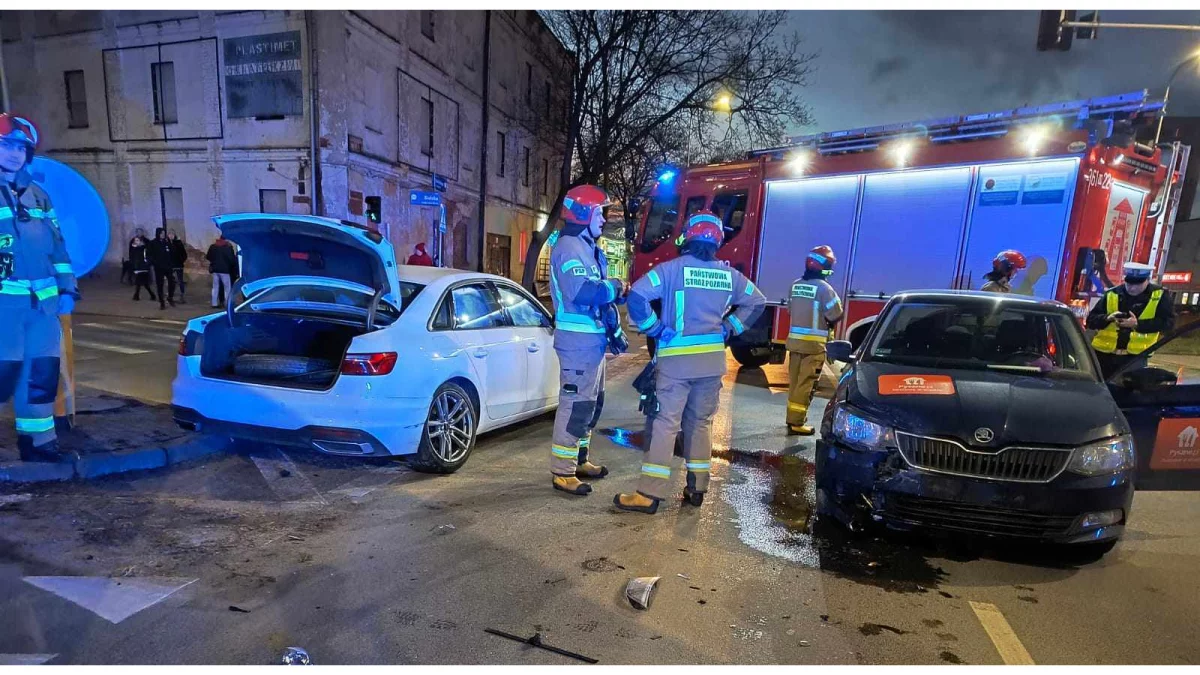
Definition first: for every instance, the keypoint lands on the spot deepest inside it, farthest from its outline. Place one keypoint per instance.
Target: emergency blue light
(667, 176)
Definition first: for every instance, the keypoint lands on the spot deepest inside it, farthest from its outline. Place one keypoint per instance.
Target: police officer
(1129, 318)
(697, 292)
(1005, 266)
(36, 285)
(582, 296)
(815, 308)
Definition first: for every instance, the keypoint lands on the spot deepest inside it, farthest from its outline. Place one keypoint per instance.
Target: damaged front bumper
(859, 487)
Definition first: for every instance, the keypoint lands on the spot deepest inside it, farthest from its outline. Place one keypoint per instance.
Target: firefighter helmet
(820, 259)
(704, 226)
(1007, 262)
(581, 202)
(19, 129)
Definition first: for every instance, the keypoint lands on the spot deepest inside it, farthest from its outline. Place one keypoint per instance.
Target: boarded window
(427, 127)
(501, 160)
(427, 23)
(162, 81)
(172, 210)
(525, 159)
(77, 112)
(272, 201)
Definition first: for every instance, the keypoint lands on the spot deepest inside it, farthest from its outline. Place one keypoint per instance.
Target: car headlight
(859, 432)
(1099, 459)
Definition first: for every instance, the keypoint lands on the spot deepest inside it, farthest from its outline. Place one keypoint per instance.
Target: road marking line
(168, 322)
(111, 599)
(109, 348)
(25, 659)
(1012, 652)
(286, 480)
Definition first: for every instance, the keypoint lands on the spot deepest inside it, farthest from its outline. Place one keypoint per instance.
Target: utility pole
(3, 83)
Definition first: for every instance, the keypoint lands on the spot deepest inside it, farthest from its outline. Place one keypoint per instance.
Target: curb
(100, 464)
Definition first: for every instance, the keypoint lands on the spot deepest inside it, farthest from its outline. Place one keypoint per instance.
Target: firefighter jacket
(696, 297)
(580, 289)
(34, 266)
(1153, 308)
(814, 307)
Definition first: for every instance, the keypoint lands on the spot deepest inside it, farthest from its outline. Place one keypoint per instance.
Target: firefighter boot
(46, 452)
(586, 470)
(572, 485)
(636, 502)
(690, 494)
(800, 430)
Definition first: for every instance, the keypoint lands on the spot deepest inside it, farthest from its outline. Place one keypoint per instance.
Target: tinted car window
(476, 308)
(980, 335)
(523, 312)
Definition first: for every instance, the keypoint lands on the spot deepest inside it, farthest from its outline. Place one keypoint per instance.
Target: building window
(499, 255)
(501, 160)
(529, 84)
(427, 23)
(525, 159)
(77, 115)
(427, 122)
(545, 177)
(172, 210)
(272, 201)
(162, 80)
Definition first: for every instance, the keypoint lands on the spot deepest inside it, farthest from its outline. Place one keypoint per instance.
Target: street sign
(1177, 278)
(423, 198)
(439, 183)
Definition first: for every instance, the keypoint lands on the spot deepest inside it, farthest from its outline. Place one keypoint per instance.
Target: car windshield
(983, 335)
(324, 299)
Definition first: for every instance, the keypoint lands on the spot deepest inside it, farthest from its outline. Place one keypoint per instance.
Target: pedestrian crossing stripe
(111, 599)
(104, 347)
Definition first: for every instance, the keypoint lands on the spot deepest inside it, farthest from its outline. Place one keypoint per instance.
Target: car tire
(449, 434)
(298, 369)
(745, 355)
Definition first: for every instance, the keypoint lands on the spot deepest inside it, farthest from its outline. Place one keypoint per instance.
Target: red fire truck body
(929, 205)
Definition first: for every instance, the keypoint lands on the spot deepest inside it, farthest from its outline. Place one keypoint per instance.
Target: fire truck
(928, 205)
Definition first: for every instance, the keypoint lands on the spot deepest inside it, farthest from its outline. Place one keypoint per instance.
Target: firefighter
(1129, 319)
(1005, 266)
(696, 292)
(815, 308)
(583, 296)
(36, 286)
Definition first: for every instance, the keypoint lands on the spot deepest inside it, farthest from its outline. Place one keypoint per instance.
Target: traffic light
(1051, 33)
(374, 209)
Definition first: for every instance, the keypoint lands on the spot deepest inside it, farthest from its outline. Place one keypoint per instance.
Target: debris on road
(284, 473)
(684, 576)
(877, 628)
(443, 529)
(239, 610)
(295, 537)
(640, 590)
(536, 641)
(804, 643)
(9, 500)
(295, 656)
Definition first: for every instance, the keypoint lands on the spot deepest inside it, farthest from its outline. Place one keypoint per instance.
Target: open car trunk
(278, 349)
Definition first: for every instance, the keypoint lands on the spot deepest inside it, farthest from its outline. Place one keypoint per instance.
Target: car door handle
(533, 348)
(479, 353)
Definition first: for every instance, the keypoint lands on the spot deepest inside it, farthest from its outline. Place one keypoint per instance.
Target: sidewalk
(104, 294)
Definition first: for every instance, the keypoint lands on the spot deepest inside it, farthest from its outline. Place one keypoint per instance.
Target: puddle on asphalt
(774, 496)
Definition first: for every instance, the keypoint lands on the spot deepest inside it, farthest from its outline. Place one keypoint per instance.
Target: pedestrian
(815, 309)
(126, 270)
(162, 260)
(582, 292)
(1005, 266)
(696, 291)
(420, 257)
(222, 263)
(140, 260)
(1129, 319)
(179, 256)
(37, 285)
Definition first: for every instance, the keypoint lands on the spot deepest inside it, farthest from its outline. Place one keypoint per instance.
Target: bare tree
(652, 86)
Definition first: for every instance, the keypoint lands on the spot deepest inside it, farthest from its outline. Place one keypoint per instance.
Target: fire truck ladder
(1103, 112)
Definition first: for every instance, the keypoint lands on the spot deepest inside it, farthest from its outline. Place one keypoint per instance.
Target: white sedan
(336, 347)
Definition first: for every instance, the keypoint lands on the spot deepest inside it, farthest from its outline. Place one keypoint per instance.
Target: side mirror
(1146, 379)
(839, 350)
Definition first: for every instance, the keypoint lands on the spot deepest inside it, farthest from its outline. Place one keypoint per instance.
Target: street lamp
(723, 103)
(1193, 57)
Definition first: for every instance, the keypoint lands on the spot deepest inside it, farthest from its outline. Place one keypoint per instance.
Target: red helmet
(1008, 261)
(581, 202)
(13, 128)
(820, 259)
(704, 226)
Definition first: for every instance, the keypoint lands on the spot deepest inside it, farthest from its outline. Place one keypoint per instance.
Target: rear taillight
(380, 363)
(191, 343)
(183, 345)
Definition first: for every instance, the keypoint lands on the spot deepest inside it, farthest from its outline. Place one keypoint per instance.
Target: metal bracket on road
(536, 641)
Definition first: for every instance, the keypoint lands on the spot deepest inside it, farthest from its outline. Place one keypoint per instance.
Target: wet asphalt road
(371, 563)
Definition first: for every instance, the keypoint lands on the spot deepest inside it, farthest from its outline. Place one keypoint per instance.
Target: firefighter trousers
(29, 362)
(580, 402)
(687, 405)
(804, 371)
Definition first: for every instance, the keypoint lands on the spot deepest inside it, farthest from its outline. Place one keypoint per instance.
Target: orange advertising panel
(1177, 445)
(916, 385)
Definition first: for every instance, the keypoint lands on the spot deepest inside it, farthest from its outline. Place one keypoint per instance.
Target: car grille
(1025, 465)
(975, 518)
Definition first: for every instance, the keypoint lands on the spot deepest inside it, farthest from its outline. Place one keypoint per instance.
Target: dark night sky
(878, 67)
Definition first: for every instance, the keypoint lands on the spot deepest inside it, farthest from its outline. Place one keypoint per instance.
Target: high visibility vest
(1106, 339)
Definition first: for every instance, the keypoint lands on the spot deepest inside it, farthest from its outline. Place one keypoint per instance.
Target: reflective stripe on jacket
(34, 265)
(813, 307)
(1107, 338)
